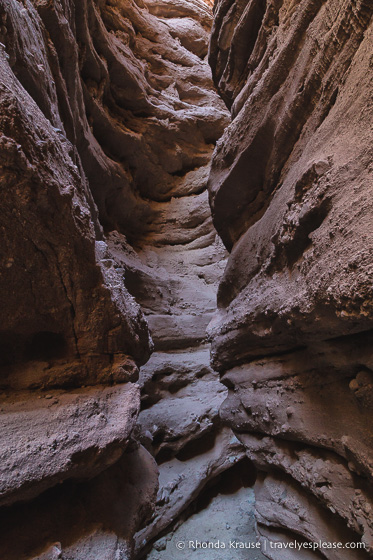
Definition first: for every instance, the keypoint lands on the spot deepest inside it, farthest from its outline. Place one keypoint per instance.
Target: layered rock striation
(72, 336)
(109, 119)
(110, 264)
(290, 189)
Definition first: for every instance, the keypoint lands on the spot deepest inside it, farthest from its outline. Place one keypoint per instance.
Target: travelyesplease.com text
(235, 544)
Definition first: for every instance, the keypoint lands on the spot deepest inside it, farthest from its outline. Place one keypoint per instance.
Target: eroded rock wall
(291, 194)
(108, 122)
(72, 336)
(173, 269)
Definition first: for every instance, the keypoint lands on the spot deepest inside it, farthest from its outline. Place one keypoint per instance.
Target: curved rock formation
(109, 120)
(290, 188)
(110, 265)
(72, 337)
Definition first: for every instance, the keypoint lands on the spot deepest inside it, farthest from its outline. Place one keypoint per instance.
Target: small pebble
(354, 385)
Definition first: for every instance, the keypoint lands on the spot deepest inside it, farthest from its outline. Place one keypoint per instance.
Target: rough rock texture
(291, 192)
(183, 478)
(71, 335)
(108, 122)
(173, 270)
(224, 514)
(80, 521)
(63, 435)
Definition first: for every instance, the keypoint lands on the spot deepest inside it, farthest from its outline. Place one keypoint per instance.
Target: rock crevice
(131, 200)
(109, 120)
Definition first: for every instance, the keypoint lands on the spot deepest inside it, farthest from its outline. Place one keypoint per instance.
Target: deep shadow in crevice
(41, 346)
(242, 475)
(197, 447)
(46, 345)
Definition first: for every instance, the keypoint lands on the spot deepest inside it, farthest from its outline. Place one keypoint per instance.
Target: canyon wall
(291, 195)
(114, 423)
(108, 119)
(72, 336)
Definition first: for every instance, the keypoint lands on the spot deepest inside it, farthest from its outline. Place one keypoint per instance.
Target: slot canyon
(186, 337)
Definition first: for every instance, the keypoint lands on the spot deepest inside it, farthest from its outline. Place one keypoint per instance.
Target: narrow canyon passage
(173, 272)
(161, 245)
(186, 280)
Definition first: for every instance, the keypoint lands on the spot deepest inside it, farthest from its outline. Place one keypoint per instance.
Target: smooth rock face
(291, 192)
(62, 302)
(71, 335)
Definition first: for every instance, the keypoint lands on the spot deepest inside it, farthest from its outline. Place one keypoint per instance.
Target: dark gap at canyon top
(186, 279)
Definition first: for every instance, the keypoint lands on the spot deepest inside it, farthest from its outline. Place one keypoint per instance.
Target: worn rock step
(181, 481)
